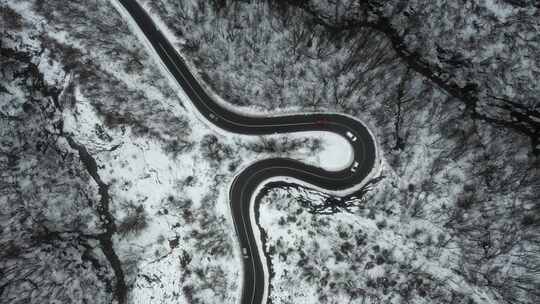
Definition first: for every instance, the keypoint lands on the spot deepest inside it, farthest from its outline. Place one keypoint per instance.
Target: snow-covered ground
(337, 153)
(419, 235)
(140, 173)
(353, 258)
(167, 172)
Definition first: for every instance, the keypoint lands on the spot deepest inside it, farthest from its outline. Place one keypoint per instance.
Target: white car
(351, 136)
(354, 166)
(213, 117)
(244, 250)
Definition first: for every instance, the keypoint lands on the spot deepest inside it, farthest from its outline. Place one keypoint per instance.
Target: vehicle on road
(354, 166)
(243, 189)
(351, 136)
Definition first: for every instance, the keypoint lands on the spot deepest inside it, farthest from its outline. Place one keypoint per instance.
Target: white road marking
(238, 123)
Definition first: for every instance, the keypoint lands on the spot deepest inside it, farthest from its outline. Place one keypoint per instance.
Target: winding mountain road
(243, 188)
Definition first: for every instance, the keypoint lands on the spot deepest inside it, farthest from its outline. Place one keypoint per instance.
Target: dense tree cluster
(448, 86)
(49, 245)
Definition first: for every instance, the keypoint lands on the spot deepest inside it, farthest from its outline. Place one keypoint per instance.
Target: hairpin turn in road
(247, 181)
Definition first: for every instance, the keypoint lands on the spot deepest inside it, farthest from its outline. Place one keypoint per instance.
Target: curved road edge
(245, 184)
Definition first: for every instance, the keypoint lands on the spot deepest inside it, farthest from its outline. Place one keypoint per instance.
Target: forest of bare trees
(448, 88)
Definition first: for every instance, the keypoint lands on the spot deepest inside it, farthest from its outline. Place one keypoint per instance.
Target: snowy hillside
(114, 190)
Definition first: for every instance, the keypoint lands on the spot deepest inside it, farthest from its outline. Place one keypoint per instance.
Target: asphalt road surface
(246, 182)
